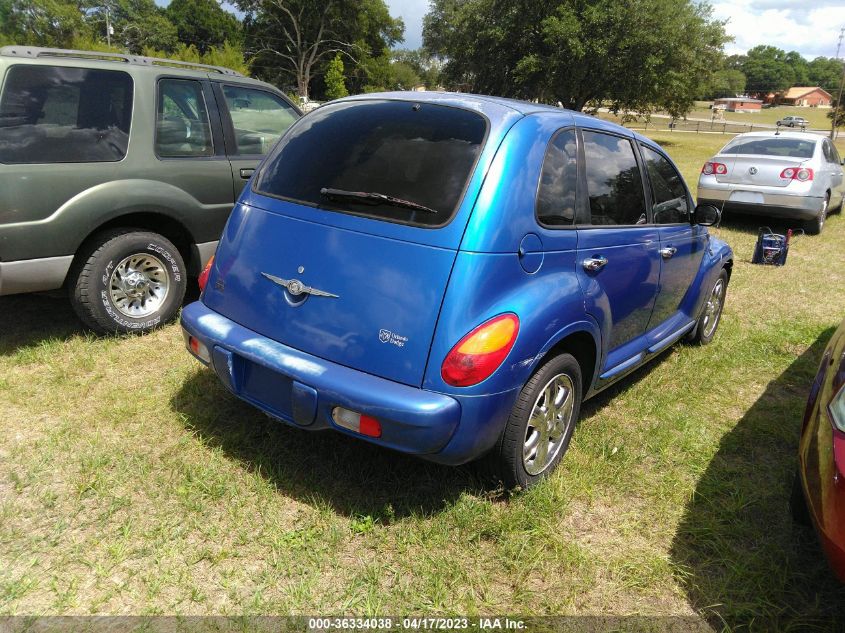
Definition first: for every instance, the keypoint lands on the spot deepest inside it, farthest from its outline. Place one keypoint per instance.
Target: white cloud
(789, 25)
(412, 12)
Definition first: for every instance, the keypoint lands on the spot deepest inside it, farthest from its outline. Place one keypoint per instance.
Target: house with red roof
(806, 96)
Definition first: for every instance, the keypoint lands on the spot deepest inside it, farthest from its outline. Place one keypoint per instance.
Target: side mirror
(706, 215)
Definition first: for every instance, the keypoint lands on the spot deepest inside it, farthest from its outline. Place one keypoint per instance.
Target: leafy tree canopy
(826, 72)
(426, 66)
(43, 22)
(293, 39)
(768, 68)
(638, 55)
(203, 23)
(335, 79)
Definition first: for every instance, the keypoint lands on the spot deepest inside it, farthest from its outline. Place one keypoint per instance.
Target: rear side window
(182, 128)
(614, 184)
(51, 114)
(418, 153)
(791, 147)
(259, 118)
(830, 153)
(671, 205)
(558, 180)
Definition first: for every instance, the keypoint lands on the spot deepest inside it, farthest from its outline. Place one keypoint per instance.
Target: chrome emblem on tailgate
(296, 287)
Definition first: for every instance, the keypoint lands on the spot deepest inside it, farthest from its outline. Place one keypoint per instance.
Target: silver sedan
(795, 175)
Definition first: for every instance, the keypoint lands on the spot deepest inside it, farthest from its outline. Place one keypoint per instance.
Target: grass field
(816, 116)
(132, 483)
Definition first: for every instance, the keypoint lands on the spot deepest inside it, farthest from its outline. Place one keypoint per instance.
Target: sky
(809, 27)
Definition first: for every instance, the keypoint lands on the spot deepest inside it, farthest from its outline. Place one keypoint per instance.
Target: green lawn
(131, 482)
(816, 116)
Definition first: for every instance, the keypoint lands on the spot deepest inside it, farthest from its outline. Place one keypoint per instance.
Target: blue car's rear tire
(540, 426)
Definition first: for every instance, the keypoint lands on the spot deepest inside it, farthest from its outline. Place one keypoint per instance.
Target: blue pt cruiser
(450, 275)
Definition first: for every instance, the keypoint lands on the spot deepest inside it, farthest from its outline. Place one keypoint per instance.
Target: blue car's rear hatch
(344, 247)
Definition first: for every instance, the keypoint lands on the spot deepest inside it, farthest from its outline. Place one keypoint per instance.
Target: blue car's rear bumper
(302, 390)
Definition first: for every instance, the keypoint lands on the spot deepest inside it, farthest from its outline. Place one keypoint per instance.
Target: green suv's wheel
(129, 281)
(540, 425)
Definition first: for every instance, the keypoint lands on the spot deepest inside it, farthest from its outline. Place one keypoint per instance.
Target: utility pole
(108, 29)
(841, 84)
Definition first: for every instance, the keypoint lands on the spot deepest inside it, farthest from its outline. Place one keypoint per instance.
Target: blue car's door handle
(668, 252)
(593, 264)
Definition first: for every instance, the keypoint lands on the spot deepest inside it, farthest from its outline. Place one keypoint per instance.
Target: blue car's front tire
(711, 314)
(540, 426)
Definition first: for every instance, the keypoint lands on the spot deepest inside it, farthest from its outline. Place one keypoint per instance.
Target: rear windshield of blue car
(788, 147)
(416, 152)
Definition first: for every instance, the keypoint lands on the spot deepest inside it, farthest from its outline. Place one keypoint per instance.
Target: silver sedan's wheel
(815, 226)
(139, 285)
(550, 418)
(823, 213)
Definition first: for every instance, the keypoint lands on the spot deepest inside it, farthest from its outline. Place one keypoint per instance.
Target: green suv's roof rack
(33, 52)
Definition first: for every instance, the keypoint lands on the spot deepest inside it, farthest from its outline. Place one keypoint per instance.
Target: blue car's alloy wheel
(540, 425)
(711, 314)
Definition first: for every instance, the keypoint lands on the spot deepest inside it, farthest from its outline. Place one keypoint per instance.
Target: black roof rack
(34, 52)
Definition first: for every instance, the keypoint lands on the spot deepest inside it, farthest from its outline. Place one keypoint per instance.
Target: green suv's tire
(545, 414)
(128, 280)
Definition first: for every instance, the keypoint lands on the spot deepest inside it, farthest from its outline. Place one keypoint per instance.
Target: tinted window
(792, 147)
(558, 180)
(614, 184)
(669, 193)
(182, 128)
(422, 153)
(259, 118)
(830, 154)
(50, 114)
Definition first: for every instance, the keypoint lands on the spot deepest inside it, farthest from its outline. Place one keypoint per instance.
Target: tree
(826, 72)
(837, 115)
(726, 83)
(294, 38)
(639, 55)
(800, 68)
(137, 24)
(767, 69)
(228, 56)
(202, 23)
(54, 23)
(427, 67)
(335, 79)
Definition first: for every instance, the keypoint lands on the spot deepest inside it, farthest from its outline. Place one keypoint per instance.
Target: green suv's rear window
(420, 153)
(53, 114)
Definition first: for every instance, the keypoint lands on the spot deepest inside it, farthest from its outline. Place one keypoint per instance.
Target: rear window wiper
(374, 198)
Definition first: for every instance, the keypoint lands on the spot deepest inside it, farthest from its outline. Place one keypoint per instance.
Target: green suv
(117, 175)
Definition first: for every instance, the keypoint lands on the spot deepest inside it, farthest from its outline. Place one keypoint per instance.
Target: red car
(819, 491)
